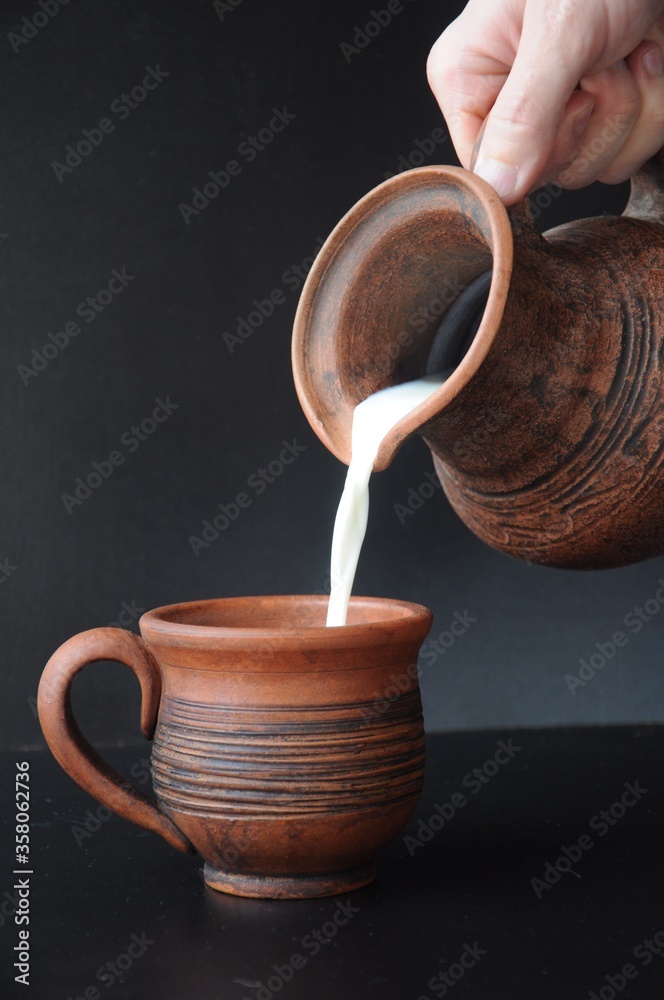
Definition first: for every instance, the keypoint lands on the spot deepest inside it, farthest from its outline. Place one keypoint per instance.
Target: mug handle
(72, 750)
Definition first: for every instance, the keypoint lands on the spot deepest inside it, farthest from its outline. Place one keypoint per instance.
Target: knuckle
(559, 13)
(574, 182)
(565, 24)
(630, 107)
(619, 91)
(615, 175)
(520, 115)
(656, 119)
(644, 143)
(443, 61)
(433, 60)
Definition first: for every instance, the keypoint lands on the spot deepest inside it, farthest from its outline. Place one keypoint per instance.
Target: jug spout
(374, 299)
(548, 435)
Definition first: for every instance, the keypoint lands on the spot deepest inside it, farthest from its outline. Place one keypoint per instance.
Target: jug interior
(412, 281)
(459, 326)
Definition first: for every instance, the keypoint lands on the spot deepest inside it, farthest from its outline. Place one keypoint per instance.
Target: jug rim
(380, 207)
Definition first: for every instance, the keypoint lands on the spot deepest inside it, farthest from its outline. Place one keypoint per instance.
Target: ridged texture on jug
(549, 436)
(571, 473)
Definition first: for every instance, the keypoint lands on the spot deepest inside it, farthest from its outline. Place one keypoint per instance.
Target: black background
(163, 337)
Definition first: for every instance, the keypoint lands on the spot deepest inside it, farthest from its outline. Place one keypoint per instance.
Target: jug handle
(647, 197)
(72, 750)
(523, 224)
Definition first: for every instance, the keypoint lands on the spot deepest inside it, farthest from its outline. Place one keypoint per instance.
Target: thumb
(520, 132)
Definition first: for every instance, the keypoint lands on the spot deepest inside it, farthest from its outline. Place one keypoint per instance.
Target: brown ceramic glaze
(286, 753)
(548, 437)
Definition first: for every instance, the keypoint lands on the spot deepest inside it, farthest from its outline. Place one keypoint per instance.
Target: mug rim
(405, 616)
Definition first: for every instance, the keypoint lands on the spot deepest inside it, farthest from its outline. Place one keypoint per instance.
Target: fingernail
(581, 121)
(502, 178)
(478, 142)
(653, 61)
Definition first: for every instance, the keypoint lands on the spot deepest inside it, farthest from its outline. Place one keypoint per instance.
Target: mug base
(288, 887)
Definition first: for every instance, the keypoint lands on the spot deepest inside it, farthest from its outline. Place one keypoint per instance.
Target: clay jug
(548, 436)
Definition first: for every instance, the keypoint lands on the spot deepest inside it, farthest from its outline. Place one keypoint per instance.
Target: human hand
(518, 63)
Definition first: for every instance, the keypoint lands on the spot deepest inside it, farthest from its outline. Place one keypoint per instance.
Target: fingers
(627, 126)
(570, 135)
(466, 84)
(525, 123)
(512, 69)
(618, 105)
(646, 65)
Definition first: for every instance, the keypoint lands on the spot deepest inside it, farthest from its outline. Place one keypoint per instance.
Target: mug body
(286, 752)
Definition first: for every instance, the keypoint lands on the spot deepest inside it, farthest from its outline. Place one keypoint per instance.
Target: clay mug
(548, 435)
(286, 753)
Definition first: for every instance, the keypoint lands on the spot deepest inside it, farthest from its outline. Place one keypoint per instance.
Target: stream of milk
(373, 419)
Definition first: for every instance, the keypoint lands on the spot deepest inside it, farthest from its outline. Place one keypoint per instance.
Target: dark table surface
(470, 884)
